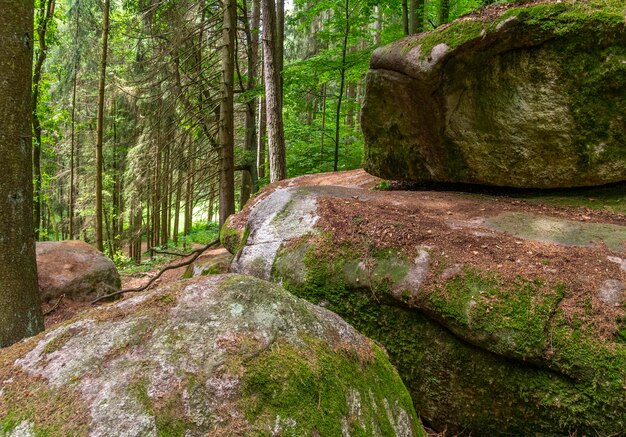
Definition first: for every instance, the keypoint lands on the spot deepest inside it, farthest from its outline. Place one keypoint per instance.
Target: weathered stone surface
(500, 321)
(531, 97)
(74, 268)
(216, 355)
(211, 262)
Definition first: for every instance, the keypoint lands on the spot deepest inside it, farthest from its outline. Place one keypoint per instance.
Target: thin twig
(195, 254)
(55, 306)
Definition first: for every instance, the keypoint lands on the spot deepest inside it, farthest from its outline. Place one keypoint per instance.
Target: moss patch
(30, 399)
(510, 319)
(306, 391)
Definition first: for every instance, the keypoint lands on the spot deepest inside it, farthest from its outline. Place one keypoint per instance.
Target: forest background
(127, 151)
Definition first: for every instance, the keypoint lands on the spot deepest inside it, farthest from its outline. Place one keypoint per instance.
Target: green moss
(378, 271)
(59, 341)
(509, 318)
(310, 388)
(168, 413)
(233, 238)
(453, 36)
(465, 388)
(27, 399)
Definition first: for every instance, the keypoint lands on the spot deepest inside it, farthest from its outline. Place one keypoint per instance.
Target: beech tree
(20, 310)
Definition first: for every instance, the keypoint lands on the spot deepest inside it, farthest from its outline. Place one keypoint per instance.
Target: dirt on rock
(454, 226)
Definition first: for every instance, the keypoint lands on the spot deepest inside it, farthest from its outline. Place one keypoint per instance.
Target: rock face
(528, 97)
(211, 262)
(75, 269)
(218, 355)
(502, 316)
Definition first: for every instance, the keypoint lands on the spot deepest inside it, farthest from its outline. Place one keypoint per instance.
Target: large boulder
(503, 317)
(521, 97)
(218, 355)
(74, 269)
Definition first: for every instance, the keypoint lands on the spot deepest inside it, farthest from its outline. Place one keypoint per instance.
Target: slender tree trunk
(45, 15)
(20, 310)
(165, 212)
(73, 129)
(405, 17)
(260, 154)
(188, 198)
(177, 208)
(227, 122)
(378, 26)
(350, 97)
(444, 12)
(275, 131)
(100, 125)
(156, 199)
(249, 177)
(342, 81)
(323, 135)
(280, 45)
(416, 22)
(211, 208)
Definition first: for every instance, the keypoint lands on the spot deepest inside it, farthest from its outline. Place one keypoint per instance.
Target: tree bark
(227, 122)
(262, 136)
(249, 177)
(416, 21)
(444, 12)
(344, 50)
(72, 201)
(405, 17)
(275, 131)
(20, 310)
(45, 15)
(100, 124)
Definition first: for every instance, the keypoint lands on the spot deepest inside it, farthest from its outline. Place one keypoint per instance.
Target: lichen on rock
(222, 354)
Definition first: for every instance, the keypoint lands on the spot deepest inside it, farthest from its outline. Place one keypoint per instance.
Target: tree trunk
(378, 25)
(165, 212)
(100, 125)
(20, 310)
(416, 22)
(177, 208)
(227, 122)
(444, 12)
(405, 17)
(323, 135)
(45, 15)
(249, 177)
(280, 45)
(344, 50)
(276, 135)
(262, 136)
(72, 201)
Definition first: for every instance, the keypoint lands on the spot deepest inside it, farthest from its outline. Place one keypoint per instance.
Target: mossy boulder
(521, 97)
(496, 330)
(211, 262)
(219, 355)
